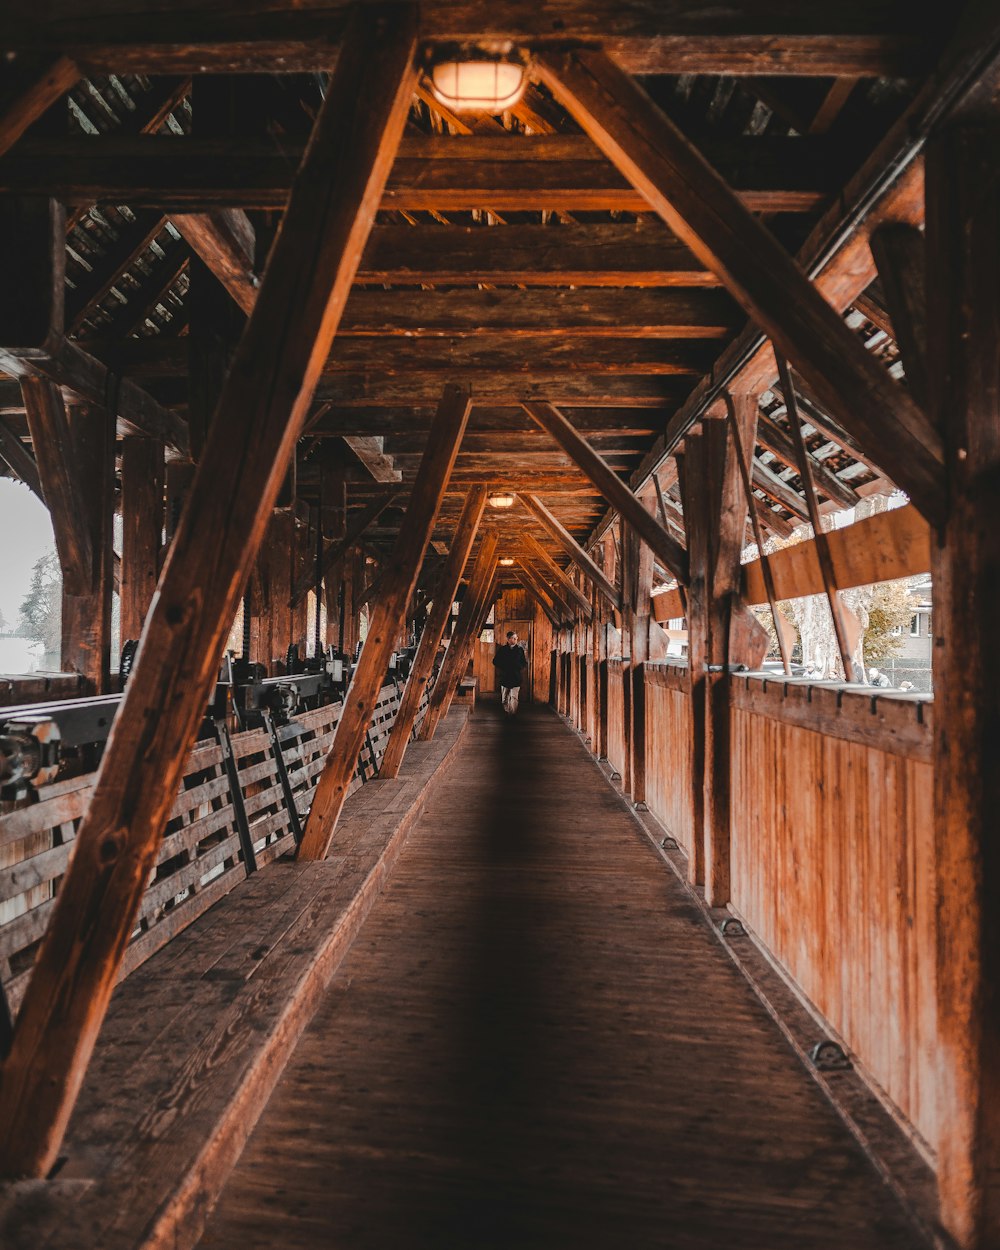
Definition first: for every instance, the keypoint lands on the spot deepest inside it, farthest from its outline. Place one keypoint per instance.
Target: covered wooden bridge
(387, 330)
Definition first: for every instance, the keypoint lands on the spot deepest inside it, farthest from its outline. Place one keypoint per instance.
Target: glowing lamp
(506, 561)
(474, 81)
(501, 499)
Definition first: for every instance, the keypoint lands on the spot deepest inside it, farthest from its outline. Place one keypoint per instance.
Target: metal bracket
(286, 785)
(236, 794)
(829, 1056)
(641, 806)
(616, 776)
(732, 928)
(669, 843)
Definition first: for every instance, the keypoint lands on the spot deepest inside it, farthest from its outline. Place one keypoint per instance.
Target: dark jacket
(510, 662)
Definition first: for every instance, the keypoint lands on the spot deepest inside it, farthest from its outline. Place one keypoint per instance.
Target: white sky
(25, 534)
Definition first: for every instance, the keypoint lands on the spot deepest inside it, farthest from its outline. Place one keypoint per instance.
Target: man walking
(510, 663)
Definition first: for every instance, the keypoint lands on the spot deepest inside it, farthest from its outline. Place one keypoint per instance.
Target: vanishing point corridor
(536, 1041)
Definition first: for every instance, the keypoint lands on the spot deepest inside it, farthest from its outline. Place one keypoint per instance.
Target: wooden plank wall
(833, 867)
(617, 674)
(668, 750)
(199, 860)
(832, 850)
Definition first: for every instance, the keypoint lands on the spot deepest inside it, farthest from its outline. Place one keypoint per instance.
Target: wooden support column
(76, 466)
(142, 529)
(86, 608)
(267, 395)
(388, 618)
(963, 287)
(641, 610)
(433, 632)
(456, 658)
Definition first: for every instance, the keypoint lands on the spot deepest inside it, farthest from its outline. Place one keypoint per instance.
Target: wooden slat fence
(833, 867)
(199, 859)
(669, 783)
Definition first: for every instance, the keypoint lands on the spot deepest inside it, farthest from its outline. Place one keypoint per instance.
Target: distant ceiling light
(502, 499)
(474, 80)
(506, 561)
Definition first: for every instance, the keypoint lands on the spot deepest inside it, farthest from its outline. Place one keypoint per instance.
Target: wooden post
(641, 614)
(142, 529)
(434, 627)
(456, 658)
(388, 617)
(267, 394)
(963, 287)
(86, 610)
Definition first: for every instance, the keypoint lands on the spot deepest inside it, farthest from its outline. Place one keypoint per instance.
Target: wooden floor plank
(536, 1042)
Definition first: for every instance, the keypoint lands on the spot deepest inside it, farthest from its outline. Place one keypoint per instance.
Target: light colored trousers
(509, 695)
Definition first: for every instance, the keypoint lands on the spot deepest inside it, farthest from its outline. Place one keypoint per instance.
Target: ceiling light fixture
(501, 499)
(477, 80)
(506, 561)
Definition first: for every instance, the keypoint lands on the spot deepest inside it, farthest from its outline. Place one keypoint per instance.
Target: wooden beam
(134, 238)
(336, 551)
(544, 601)
(546, 592)
(456, 658)
(434, 627)
(142, 527)
(672, 313)
(567, 585)
(899, 254)
(695, 202)
(62, 485)
(68, 365)
(19, 460)
(837, 609)
(224, 240)
(963, 288)
(772, 437)
(370, 450)
(388, 617)
(614, 490)
(866, 39)
(881, 548)
(37, 90)
(554, 527)
(645, 254)
(502, 173)
(267, 395)
(765, 479)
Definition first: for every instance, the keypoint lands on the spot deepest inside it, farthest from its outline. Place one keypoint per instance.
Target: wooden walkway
(536, 1042)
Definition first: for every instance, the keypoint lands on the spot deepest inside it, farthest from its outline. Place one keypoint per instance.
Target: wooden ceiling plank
(510, 172)
(608, 254)
(771, 436)
(266, 397)
(134, 238)
(702, 210)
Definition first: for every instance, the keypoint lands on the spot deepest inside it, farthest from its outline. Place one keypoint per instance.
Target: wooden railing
(200, 858)
(833, 870)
